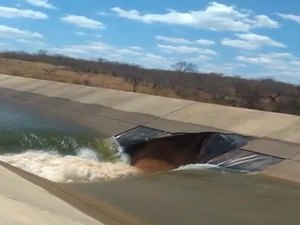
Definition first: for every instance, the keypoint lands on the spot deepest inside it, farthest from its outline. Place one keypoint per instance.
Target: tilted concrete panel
(22, 202)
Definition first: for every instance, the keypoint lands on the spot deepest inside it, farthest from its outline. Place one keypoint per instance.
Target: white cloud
(235, 43)
(9, 12)
(102, 50)
(11, 32)
(101, 13)
(251, 41)
(280, 65)
(92, 49)
(173, 40)
(32, 42)
(205, 42)
(217, 68)
(265, 21)
(292, 17)
(82, 21)
(41, 3)
(80, 33)
(260, 60)
(127, 52)
(182, 49)
(136, 48)
(273, 59)
(198, 58)
(215, 16)
(182, 41)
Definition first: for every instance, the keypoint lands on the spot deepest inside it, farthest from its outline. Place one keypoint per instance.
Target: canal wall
(112, 112)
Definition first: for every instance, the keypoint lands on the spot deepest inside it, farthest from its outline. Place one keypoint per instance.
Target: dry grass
(58, 73)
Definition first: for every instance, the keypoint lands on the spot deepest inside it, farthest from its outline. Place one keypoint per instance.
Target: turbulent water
(83, 167)
(66, 158)
(57, 151)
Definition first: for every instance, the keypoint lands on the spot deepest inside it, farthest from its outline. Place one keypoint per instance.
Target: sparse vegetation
(184, 82)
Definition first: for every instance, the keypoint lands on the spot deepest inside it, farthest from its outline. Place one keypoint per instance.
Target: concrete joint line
(167, 114)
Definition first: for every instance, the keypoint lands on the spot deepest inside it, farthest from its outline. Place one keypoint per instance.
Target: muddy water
(65, 152)
(205, 196)
(55, 149)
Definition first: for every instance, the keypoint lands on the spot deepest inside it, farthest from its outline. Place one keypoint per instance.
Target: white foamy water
(204, 166)
(84, 167)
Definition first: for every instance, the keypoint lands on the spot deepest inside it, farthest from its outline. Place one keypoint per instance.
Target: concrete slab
(56, 89)
(238, 120)
(266, 124)
(134, 118)
(14, 82)
(289, 133)
(4, 76)
(287, 169)
(175, 126)
(80, 91)
(133, 102)
(23, 84)
(22, 202)
(296, 158)
(211, 115)
(273, 148)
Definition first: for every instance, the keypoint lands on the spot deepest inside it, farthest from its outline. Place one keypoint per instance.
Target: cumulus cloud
(80, 33)
(82, 21)
(282, 65)
(215, 16)
(182, 41)
(182, 49)
(173, 40)
(32, 42)
(265, 21)
(292, 17)
(9, 12)
(136, 48)
(41, 3)
(205, 42)
(268, 59)
(100, 49)
(12, 32)
(251, 41)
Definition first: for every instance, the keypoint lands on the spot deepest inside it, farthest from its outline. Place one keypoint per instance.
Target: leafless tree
(274, 97)
(135, 80)
(185, 67)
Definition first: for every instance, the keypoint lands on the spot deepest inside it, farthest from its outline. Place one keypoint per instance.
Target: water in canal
(64, 152)
(57, 150)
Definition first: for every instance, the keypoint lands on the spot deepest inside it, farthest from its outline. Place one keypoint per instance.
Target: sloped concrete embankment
(114, 112)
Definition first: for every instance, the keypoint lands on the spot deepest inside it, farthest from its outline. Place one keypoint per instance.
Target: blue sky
(254, 39)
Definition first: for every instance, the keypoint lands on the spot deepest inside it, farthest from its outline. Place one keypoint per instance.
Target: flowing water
(58, 150)
(195, 194)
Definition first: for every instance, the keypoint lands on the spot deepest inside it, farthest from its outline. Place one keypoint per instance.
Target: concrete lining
(243, 121)
(22, 202)
(287, 169)
(112, 112)
(101, 211)
(296, 158)
(273, 147)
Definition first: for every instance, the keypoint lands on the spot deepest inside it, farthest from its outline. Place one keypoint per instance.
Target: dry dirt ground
(59, 73)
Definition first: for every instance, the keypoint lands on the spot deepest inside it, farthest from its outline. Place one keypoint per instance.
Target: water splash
(197, 166)
(83, 167)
